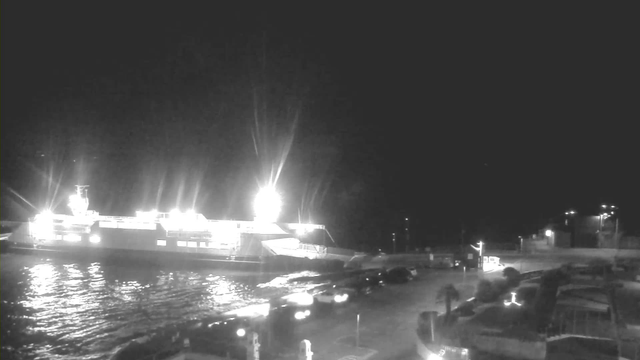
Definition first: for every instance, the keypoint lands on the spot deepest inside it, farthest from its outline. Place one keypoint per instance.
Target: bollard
(186, 343)
(305, 352)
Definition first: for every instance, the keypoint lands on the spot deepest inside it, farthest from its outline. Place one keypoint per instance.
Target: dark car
(359, 286)
(398, 275)
(375, 278)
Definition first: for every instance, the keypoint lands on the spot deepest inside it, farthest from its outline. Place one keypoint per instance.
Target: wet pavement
(388, 318)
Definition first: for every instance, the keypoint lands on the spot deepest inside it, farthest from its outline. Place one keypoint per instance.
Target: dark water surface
(70, 309)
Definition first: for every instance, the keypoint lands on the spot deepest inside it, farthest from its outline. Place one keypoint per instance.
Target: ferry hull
(153, 246)
(182, 260)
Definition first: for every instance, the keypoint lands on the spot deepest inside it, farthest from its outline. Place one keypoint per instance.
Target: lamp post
(568, 214)
(604, 215)
(393, 238)
(550, 236)
(610, 211)
(479, 250)
(407, 234)
(521, 244)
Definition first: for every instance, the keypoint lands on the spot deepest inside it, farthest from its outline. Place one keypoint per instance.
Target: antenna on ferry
(79, 202)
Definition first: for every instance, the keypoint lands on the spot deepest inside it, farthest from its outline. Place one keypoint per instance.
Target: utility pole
(407, 235)
(616, 244)
(479, 250)
(393, 238)
(615, 211)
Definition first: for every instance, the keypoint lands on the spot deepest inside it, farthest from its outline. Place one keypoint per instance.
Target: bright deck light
(267, 205)
(548, 233)
(241, 332)
(94, 239)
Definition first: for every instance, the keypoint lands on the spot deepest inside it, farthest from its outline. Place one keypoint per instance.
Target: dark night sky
(491, 118)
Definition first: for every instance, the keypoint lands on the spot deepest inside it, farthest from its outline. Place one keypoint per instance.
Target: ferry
(186, 236)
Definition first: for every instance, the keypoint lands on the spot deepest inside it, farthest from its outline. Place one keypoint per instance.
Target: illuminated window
(182, 243)
(193, 244)
(203, 244)
(161, 242)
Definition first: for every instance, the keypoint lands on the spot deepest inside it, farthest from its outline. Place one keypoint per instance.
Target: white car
(332, 296)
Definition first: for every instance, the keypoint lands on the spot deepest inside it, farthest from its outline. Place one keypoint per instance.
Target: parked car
(375, 278)
(332, 296)
(359, 286)
(398, 275)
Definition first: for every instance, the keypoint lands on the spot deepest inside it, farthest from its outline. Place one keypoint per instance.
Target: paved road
(388, 318)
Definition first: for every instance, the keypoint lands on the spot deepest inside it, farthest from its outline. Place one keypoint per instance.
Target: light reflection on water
(52, 308)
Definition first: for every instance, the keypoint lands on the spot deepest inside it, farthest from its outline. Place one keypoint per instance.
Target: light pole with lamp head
(550, 235)
(479, 250)
(393, 238)
(615, 211)
(568, 214)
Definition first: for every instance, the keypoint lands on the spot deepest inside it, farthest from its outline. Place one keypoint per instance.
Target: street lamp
(393, 238)
(407, 234)
(605, 215)
(267, 205)
(479, 250)
(521, 244)
(568, 214)
(550, 237)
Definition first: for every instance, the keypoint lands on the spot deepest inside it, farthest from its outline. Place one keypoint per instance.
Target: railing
(582, 323)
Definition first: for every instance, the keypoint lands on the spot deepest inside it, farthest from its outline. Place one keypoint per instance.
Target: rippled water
(54, 308)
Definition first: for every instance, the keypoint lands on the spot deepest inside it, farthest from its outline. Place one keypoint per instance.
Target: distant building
(582, 232)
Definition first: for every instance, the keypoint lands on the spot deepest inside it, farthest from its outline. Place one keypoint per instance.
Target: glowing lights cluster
(605, 211)
(42, 226)
(78, 204)
(303, 229)
(267, 205)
